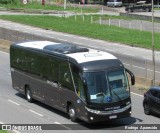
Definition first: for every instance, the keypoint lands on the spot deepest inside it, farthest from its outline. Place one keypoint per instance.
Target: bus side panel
(24, 72)
(18, 81)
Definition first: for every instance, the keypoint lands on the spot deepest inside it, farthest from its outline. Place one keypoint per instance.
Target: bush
(9, 1)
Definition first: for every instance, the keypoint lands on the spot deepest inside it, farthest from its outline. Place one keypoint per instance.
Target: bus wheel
(29, 95)
(72, 113)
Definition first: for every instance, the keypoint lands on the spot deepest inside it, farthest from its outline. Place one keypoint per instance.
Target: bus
(88, 84)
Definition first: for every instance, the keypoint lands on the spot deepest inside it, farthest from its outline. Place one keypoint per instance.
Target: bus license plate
(112, 116)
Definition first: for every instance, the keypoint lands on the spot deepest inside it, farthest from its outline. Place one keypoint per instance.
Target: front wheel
(72, 113)
(29, 95)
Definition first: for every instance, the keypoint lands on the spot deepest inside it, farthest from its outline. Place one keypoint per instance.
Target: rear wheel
(72, 113)
(147, 110)
(29, 95)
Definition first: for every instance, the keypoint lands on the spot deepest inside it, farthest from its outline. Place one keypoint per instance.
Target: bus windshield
(107, 86)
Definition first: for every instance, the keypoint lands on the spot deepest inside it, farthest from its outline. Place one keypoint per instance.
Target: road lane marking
(57, 123)
(62, 125)
(4, 52)
(36, 112)
(137, 94)
(13, 102)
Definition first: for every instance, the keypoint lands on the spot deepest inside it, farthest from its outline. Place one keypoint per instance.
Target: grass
(2, 131)
(104, 32)
(37, 5)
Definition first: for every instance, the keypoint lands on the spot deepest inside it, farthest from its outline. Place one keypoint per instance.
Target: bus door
(66, 88)
(52, 87)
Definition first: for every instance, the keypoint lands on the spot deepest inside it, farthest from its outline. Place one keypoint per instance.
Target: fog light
(130, 112)
(91, 118)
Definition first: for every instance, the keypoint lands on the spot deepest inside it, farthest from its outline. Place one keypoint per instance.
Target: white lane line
(57, 123)
(62, 125)
(13, 102)
(137, 94)
(35, 112)
(3, 52)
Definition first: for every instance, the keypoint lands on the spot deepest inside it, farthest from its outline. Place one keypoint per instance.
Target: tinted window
(154, 93)
(50, 68)
(35, 63)
(65, 75)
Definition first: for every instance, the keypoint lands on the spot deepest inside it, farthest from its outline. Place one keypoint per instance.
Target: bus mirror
(132, 76)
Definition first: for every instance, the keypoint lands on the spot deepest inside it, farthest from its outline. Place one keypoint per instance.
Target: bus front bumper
(98, 116)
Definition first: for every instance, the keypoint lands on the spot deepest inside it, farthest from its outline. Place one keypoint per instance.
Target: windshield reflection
(107, 87)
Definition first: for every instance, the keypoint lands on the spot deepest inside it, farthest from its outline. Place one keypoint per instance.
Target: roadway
(14, 109)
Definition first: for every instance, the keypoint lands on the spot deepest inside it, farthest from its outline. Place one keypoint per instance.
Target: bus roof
(82, 55)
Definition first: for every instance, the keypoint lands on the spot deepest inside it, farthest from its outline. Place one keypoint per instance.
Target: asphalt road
(14, 109)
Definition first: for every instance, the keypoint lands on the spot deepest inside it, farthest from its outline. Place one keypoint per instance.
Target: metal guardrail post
(153, 53)
(100, 20)
(91, 19)
(109, 22)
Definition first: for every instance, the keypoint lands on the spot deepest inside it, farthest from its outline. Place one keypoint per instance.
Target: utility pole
(153, 52)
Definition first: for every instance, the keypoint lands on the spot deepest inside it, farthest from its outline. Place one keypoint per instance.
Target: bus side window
(65, 76)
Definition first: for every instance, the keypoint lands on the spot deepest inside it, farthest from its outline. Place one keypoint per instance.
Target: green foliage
(2, 131)
(85, 28)
(9, 1)
(32, 4)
